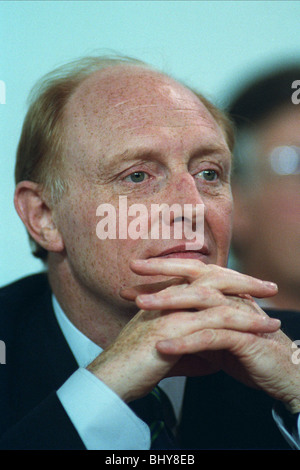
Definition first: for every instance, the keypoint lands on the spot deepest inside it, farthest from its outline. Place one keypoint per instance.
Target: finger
(188, 296)
(205, 340)
(188, 268)
(182, 323)
(231, 282)
(224, 279)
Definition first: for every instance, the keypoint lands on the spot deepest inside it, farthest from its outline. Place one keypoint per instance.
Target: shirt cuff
(102, 420)
(288, 424)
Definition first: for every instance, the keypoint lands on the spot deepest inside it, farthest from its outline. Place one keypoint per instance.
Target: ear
(37, 216)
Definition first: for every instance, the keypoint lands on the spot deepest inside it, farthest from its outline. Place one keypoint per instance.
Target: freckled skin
(110, 112)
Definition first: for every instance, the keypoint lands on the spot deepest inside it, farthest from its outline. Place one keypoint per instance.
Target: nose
(183, 190)
(186, 203)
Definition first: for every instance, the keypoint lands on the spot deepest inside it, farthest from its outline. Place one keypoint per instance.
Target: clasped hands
(201, 320)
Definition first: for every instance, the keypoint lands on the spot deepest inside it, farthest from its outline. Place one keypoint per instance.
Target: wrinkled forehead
(131, 95)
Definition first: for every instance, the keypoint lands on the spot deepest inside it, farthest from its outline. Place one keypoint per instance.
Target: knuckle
(226, 316)
(207, 295)
(208, 335)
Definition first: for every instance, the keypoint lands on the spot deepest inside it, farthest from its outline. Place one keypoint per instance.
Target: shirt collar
(83, 349)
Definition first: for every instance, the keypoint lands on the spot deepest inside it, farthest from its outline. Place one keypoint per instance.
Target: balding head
(41, 151)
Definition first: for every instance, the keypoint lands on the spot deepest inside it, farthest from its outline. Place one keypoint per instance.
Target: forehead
(118, 86)
(132, 102)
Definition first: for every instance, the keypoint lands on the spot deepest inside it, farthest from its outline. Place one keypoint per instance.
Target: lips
(187, 250)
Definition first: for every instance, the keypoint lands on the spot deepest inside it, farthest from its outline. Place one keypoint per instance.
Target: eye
(137, 177)
(208, 175)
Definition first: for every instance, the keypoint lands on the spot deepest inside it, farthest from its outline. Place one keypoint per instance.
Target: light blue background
(212, 45)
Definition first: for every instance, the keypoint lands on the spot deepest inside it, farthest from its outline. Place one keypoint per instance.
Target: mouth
(185, 251)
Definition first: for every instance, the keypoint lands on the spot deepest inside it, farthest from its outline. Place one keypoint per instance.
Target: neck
(99, 319)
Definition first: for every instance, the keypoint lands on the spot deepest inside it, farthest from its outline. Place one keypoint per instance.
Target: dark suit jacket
(218, 412)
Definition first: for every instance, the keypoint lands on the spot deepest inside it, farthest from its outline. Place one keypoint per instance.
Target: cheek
(222, 214)
(76, 220)
(223, 227)
(78, 224)
(219, 221)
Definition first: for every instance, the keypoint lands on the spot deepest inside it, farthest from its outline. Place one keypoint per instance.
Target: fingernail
(275, 320)
(271, 285)
(146, 299)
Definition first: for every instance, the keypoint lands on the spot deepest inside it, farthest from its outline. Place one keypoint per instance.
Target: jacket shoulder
(18, 296)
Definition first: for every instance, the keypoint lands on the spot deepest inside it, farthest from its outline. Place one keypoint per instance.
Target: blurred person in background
(266, 234)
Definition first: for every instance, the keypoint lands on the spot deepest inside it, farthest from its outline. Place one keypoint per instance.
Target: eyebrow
(130, 154)
(209, 149)
(145, 153)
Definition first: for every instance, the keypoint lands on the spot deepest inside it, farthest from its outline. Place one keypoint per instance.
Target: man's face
(132, 132)
(272, 238)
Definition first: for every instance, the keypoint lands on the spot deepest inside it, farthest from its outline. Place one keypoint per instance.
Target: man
(126, 313)
(266, 183)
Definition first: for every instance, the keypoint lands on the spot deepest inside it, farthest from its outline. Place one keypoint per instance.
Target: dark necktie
(156, 410)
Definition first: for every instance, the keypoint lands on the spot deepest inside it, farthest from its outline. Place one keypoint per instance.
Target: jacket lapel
(41, 358)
